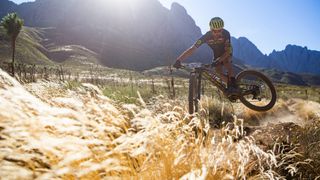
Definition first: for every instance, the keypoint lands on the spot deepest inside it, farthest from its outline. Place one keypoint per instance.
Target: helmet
(216, 23)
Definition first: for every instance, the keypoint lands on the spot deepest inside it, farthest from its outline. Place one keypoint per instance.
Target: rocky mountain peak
(297, 59)
(292, 47)
(180, 18)
(176, 7)
(245, 50)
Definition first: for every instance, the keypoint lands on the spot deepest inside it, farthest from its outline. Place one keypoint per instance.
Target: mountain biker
(218, 39)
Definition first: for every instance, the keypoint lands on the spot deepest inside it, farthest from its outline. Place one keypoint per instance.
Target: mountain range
(293, 58)
(142, 34)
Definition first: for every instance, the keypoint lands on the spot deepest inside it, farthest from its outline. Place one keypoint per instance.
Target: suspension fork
(199, 85)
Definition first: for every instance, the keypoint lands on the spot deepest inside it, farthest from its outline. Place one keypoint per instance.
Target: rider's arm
(187, 53)
(193, 48)
(227, 47)
(226, 55)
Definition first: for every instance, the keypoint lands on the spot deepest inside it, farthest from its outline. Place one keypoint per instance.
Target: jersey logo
(199, 42)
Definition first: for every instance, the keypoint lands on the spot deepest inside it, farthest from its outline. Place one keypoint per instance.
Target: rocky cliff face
(293, 58)
(139, 34)
(185, 33)
(6, 7)
(297, 59)
(249, 53)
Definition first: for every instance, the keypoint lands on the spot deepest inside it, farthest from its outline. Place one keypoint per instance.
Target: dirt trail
(282, 116)
(297, 111)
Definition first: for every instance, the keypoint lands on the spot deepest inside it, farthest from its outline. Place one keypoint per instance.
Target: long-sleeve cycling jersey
(219, 43)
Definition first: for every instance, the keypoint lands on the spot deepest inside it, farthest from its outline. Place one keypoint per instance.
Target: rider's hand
(177, 64)
(218, 61)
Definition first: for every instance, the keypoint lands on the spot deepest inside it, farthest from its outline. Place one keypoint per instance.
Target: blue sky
(269, 24)
(20, 1)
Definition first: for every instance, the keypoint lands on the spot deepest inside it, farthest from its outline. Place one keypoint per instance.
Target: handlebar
(199, 65)
(195, 65)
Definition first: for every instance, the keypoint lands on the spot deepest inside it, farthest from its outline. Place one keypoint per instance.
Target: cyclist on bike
(219, 41)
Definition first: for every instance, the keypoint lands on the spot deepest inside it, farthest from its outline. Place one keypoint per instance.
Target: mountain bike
(254, 89)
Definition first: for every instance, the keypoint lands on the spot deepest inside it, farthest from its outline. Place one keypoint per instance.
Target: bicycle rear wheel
(257, 90)
(193, 97)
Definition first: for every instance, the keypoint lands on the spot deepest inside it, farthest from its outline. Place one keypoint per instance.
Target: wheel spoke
(258, 93)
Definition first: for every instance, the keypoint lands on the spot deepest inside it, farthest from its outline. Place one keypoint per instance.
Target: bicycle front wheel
(257, 91)
(193, 93)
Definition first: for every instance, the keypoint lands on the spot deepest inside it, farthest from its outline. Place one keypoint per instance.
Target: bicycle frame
(195, 85)
(244, 88)
(207, 73)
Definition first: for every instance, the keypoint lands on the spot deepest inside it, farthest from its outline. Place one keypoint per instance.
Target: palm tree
(13, 25)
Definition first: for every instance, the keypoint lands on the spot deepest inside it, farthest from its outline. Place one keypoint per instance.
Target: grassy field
(132, 125)
(286, 91)
(128, 86)
(56, 130)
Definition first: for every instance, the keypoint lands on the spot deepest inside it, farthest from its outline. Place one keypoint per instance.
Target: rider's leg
(231, 77)
(232, 84)
(219, 70)
(228, 65)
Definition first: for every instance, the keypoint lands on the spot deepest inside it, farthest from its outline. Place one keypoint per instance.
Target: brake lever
(216, 62)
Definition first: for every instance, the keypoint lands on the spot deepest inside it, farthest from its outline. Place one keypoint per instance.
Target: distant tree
(13, 25)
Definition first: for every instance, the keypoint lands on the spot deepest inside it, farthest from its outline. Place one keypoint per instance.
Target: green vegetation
(28, 48)
(12, 25)
(127, 94)
(72, 85)
(123, 85)
(33, 47)
(286, 91)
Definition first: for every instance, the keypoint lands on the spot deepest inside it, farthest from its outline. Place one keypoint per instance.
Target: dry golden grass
(56, 133)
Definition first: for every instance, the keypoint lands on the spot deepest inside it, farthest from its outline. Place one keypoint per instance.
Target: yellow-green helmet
(216, 23)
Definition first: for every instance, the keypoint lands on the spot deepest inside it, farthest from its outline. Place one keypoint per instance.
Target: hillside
(36, 46)
(6, 7)
(145, 44)
(28, 48)
(292, 78)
